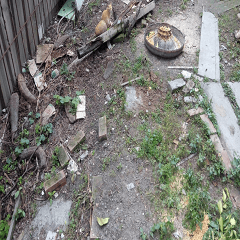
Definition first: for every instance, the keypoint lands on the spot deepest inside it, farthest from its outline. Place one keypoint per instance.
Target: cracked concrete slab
(49, 218)
(226, 119)
(209, 47)
(236, 90)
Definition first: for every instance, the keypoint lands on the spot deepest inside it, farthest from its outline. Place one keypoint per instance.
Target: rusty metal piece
(164, 40)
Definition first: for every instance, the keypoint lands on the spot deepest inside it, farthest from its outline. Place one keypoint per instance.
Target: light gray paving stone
(209, 47)
(236, 90)
(226, 119)
(175, 84)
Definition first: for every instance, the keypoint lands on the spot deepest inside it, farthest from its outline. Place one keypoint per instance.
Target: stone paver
(217, 143)
(209, 47)
(205, 118)
(132, 100)
(102, 128)
(236, 90)
(63, 156)
(176, 84)
(55, 182)
(109, 70)
(74, 141)
(81, 108)
(97, 183)
(226, 119)
(186, 74)
(193, 111)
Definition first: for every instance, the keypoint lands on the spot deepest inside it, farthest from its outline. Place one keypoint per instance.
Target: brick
(78, 138)
(48, 112)
(63, 156)
(193, 111)
(102, 128)
(205, 118)
(217, 143)
(226, 160)
(55, 182)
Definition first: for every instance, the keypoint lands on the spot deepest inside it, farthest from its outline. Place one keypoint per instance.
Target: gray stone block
(176, 84)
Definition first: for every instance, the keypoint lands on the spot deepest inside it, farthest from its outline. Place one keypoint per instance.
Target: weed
(20, 214)
(165, 230)
(198, 204)
(142, 234)
(106, 162)
(119, 167)
(4, 227)
(234, 173)
(54, 158)
(64, 71)
(51, 196)
(227, 225)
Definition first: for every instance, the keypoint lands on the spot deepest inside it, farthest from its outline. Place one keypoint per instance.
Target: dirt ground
(116, 158)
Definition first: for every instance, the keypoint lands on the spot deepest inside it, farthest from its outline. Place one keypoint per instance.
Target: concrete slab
(132, 100)
(223, 6)
(209, 47)
(49, 218)
(236, 90)
(227, 121)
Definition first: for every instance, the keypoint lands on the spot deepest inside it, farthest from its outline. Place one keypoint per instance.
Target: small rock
(4, 110)
(144, 22)
(183, 192)
(177, 235)
(176, 84)
(130, 186)
(24, 70)
(137, 148)
(200, 97)
(62, 235)
(189, 86)
(200, 79)
(72, 166)
(55, 195)
(87, 70)
(237, 34)
(51, 236)
(190, 99)
(108, 98)
(42, 193)
(84, 155)
(223, 48)
(55, 73)
(186, 74)
(109, 70)
(149, 104)
(238, 15)
(105, 145)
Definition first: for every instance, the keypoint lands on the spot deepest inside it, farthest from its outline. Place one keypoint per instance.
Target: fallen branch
(113, 31)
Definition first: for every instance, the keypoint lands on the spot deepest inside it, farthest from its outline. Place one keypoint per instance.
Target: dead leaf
(207, 161)
(102, 221)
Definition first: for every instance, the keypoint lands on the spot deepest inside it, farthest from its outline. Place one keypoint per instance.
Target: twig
(5, 127)
(62, 19)
(186, 159)
(9, 179)
(26, 170)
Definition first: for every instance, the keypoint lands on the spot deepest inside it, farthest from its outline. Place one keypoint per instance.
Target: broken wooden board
(113, 31)
(43, 53)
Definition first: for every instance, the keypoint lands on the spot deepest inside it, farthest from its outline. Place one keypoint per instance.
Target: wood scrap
(14, 107)
(24, 90)
(125, 83)
(113, 31)
(133, 22)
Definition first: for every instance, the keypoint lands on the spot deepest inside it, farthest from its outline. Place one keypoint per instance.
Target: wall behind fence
(22, 25)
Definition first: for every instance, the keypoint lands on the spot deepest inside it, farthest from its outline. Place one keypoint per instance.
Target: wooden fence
(22, 25)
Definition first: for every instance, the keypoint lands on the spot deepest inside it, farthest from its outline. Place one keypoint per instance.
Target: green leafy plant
(64, 71)
(234, 173)
(165, 229)
(17, 193)
(226, 227)
(43, 133)
(54, 158)
(20, 214)
(4, 227)
(2, 189)
(142, 234)
(51, 196)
